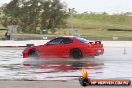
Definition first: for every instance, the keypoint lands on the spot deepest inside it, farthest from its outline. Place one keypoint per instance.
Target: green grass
(96, 26)
(99, 21)
(95, 34)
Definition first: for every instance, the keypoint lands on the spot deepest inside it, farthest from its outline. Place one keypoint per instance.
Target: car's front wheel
(33, 53)
(76, 54)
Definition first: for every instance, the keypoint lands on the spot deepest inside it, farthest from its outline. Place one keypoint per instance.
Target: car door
(65, 46)
(52, 48)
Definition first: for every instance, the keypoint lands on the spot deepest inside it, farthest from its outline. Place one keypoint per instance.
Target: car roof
(68, 36)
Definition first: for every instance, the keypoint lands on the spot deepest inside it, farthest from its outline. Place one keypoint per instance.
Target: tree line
(50, 15)
(30, 14)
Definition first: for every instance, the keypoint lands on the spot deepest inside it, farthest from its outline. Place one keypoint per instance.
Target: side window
(56, 41)
(82, 40)
(66, 41)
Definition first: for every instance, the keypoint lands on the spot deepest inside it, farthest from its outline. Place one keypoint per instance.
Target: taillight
(90, 45)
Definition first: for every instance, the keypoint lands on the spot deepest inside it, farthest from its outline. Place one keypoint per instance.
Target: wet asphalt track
(113, 64)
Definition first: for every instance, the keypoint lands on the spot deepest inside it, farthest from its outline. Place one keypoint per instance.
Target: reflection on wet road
(113, 64)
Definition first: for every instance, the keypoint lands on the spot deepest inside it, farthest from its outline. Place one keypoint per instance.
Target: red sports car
(65, 47)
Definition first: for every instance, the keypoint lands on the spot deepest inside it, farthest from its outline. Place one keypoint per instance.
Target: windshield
(82, 40)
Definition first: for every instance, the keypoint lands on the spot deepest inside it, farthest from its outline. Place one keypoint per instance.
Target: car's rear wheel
(76, 54)
(33, 53)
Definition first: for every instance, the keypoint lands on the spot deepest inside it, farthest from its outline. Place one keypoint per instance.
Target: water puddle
(113, 64)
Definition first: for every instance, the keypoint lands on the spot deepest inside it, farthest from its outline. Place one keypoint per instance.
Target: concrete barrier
(117, 43)
(21, 43)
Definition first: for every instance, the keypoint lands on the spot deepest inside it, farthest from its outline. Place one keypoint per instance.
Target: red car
(66, 47)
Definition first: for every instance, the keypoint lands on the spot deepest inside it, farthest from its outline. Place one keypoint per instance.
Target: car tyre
(33, 53)
(76, 54)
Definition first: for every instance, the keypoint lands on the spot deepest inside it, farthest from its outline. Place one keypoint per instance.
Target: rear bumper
(99, 52)
(89, 52)
(94, 52)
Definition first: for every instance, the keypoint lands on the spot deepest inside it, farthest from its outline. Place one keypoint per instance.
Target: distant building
(3, 30)
(2, 27)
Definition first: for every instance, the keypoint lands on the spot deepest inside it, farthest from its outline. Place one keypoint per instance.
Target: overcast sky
(110, 6)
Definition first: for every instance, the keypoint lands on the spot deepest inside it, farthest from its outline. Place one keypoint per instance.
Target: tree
(26, 12)
(48, 14)
(30, 15)
(53, 15)
(12, 9)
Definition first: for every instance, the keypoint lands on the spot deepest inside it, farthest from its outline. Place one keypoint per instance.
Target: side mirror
(49, 43)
